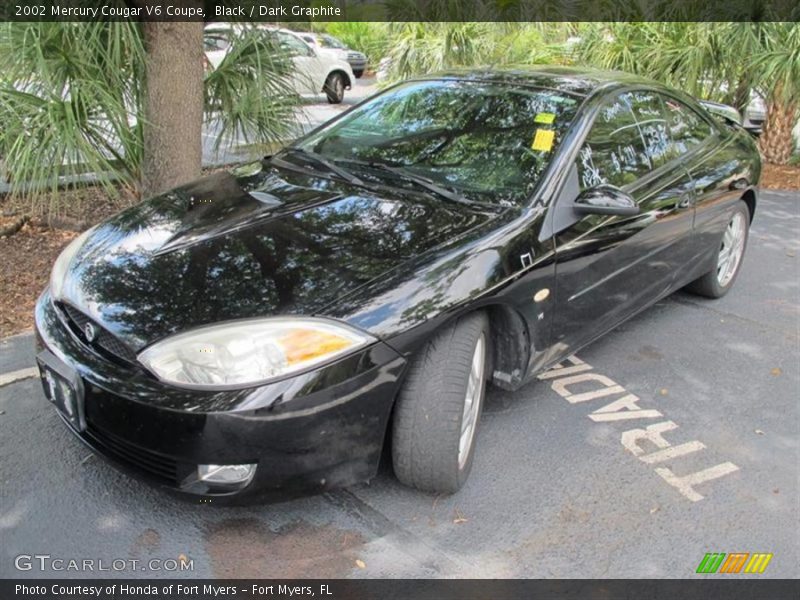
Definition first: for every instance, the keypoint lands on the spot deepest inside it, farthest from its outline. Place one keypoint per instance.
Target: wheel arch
(749, 198)
(509, 343)
(348, 84)
(510, 346)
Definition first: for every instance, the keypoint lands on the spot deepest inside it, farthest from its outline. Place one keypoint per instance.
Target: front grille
(104, 340)
(153, 464)
(355, 56)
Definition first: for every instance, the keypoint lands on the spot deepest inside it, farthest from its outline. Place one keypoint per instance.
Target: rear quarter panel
(722, 175)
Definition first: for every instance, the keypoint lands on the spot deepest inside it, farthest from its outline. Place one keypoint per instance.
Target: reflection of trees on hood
(294, 263)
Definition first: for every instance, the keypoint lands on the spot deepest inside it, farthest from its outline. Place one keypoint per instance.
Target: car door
(608, 267)
(715, 162)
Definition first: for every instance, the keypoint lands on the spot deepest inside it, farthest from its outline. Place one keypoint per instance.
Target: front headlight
(248, 352)
(61, 266)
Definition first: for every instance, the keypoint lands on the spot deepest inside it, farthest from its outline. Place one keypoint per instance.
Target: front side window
(483, 139)
(614, 152)
(292, 45)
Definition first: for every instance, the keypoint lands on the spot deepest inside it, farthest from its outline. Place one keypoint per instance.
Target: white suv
(313, 72)
(324, 43)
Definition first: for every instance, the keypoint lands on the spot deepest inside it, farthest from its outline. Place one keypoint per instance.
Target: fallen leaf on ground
(361, 564)
(776, 371)
(759, 432)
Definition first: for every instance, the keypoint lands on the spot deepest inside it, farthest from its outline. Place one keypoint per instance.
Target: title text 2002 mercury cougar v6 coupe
(261, 333)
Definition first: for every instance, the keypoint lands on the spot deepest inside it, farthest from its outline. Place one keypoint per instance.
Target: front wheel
(439, 407)
(334, 88)
(358, 73)
(720, 279)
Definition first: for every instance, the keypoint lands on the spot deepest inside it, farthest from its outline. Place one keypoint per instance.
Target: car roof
(578, 81)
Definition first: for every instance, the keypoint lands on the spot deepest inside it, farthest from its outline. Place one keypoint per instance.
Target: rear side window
(687, 128)
(614, 152)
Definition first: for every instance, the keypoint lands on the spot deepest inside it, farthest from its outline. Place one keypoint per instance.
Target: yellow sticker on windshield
(543, 140)
(545, 118)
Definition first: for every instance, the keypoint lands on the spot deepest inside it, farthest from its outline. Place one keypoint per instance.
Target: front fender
(497, 268)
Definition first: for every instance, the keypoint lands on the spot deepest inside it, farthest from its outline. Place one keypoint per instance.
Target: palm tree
(716, 61)
(67, 101)
(420, 47)
(72, 101)
(777, 66)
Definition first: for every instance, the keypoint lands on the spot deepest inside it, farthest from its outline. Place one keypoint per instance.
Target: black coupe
(266, 332)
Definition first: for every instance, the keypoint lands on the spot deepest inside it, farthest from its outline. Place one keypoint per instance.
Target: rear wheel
(720, 279)
(334, 88)
(439, 407)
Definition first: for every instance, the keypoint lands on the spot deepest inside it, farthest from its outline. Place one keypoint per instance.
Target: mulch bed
(35, 240)
(778, 177)
(31, 238)
(27, 257)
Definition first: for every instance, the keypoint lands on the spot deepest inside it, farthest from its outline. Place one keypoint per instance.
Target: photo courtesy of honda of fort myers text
(399, 299)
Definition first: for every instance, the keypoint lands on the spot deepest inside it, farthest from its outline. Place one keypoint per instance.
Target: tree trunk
(173, 105)
(741, 95)
(776, 141)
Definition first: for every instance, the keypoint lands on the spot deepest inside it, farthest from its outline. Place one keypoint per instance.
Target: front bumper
(309, 433)
(357, 63)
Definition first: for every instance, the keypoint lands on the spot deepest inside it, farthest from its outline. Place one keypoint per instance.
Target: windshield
(491, 142)
(328, 41)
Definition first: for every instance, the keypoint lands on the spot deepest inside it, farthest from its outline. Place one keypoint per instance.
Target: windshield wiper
(331, 166)
(420, 180)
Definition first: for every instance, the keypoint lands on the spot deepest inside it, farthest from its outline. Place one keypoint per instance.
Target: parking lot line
(19, 375)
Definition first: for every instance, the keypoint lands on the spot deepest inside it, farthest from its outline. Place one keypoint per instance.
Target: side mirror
(605, 200)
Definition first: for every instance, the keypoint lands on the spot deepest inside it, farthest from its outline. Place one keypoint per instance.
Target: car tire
(445, 384)
(358, 74)
(728, 259)
(334, 88)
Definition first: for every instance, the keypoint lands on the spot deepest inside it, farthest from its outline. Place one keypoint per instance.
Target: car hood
(254, 242)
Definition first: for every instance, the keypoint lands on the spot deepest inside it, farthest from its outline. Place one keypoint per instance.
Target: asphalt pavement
(559, 488)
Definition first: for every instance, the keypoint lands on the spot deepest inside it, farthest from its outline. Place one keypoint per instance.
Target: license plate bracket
(63, 387)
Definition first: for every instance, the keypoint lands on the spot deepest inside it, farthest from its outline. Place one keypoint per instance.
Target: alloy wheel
(472, 401)
(730, 254)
